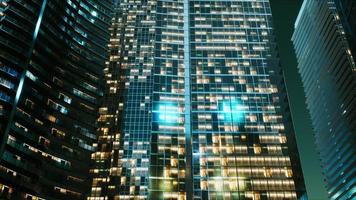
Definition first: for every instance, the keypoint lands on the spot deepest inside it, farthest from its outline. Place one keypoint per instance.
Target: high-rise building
(347, 11)
(195, 105)
(324, 41)
(52, 56)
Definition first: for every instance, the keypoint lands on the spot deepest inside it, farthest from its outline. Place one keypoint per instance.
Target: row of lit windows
(246, 172)
(226, 150)
(211, 161)
(267, 118)
(12, 141)
(232, 184)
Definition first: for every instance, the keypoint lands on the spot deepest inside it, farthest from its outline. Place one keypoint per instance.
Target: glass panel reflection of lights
(231, 111)
(167, 112)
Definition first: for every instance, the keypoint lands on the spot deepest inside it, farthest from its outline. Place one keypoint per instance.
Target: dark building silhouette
(324, 41)
(195, 105)
(52, 55)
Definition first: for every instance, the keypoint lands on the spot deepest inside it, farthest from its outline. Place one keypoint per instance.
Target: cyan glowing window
(231, 111)
(167, 112)
(94, 13)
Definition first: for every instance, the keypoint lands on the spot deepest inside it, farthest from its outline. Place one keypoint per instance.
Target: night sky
(284, 14)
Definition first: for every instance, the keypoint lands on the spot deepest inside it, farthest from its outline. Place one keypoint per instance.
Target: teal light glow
(167, 112)
(94, 13)
(232, 111)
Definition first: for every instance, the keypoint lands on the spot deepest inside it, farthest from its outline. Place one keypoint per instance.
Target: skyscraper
(52, 56)
(195, 105)
(324, 41)
(347, 11)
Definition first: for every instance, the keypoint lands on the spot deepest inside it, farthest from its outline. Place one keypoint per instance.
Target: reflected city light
(232, 111)
(167, 112)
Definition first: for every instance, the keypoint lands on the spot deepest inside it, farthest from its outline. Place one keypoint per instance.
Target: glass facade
(195, 105)
(324, 41)
(347, 11)
(52, 55)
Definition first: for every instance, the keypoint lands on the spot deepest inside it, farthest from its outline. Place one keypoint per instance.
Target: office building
(347, 11)
(52, 56)
(324, 41)
(195, 105)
